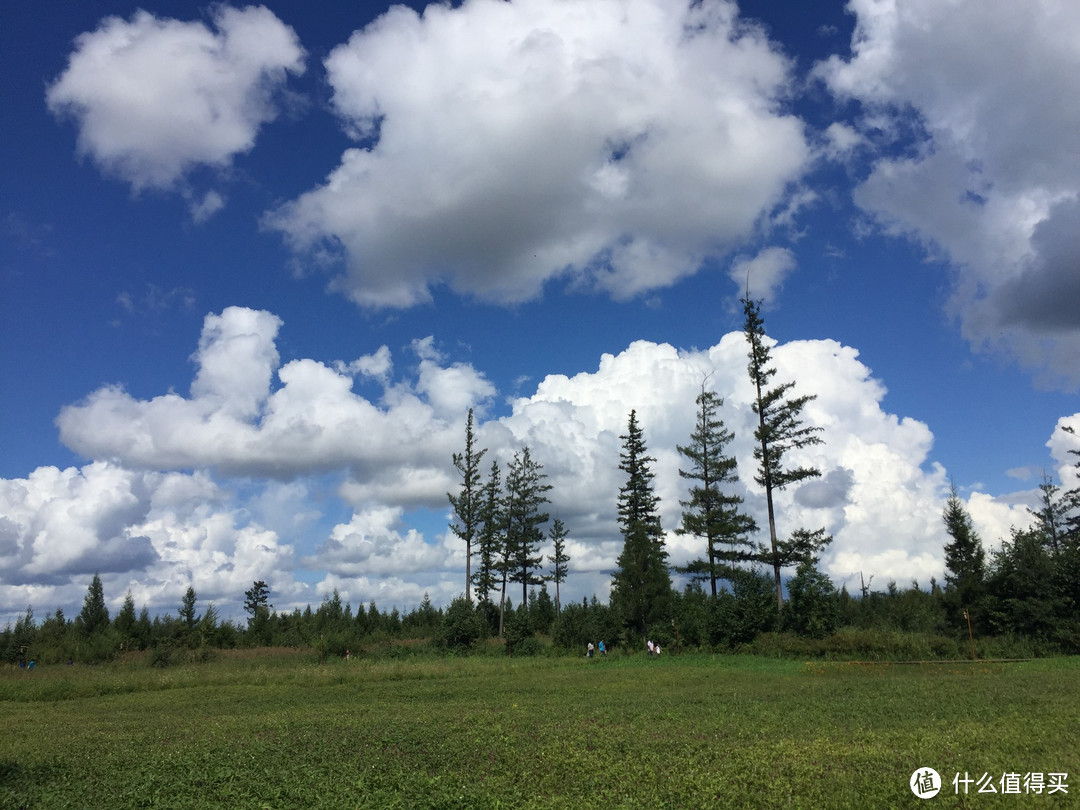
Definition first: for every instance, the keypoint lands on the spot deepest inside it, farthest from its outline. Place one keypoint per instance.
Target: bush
(528, 647)
(812, 609)
(462, 626)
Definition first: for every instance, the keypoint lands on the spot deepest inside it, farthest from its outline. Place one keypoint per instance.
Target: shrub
(462, 626)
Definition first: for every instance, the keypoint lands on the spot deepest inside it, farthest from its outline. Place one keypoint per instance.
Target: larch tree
(489, 545)
(711, 513)
(641, 585)
(468, 503)
(1052, 516)
(779, 430)
(558, 560)
(1068, 562)
(1071, 499)
(188, 616)
(526, 495)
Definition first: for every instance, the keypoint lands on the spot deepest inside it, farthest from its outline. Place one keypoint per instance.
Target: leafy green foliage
(812, 609)
(745, 612)
(462, 626)
(1025, 594)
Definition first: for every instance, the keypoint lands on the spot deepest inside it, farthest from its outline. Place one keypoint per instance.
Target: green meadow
(278, 729)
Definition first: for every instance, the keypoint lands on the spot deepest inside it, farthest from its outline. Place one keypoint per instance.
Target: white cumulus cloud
(155, 97)
(153, 533)
(303, 447)
(616, 144)
(988, 176)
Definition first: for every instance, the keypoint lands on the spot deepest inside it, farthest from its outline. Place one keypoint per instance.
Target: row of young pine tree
(1023, 599)
(1026, 596)
(502, 525)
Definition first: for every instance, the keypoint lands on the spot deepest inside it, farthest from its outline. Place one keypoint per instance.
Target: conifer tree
(780, 429)
(558, 560)
(468, 504)
(1071, 500)
(526, 494)
(257, 600)
(711, 513)
(94, 616)
(965, 559)
(124, 623)
(489, 540)
(188, 617)
(641, 586)
(1051, 518)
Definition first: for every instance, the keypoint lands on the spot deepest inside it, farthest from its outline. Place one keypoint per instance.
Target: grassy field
(279, 730)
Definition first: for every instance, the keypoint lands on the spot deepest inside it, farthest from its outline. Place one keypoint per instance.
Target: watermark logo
(925, 783)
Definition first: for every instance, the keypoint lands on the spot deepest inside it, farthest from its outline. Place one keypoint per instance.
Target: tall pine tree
(780, 429)
(711, 513)
(558, 560)
(526, 495)
(468, 504)
(965, 561)
(641, 585)
(94, 616)
(489, 549)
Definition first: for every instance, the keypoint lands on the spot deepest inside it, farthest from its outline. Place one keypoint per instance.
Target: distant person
(603, 649)
(589, 650)
(652, 648)
(657, 649)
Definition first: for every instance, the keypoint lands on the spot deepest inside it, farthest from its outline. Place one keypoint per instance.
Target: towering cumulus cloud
(499, 145)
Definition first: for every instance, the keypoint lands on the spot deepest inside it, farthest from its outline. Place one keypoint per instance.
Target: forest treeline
(1021, 600)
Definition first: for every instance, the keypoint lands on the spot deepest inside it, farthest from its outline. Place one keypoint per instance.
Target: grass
(278, 730)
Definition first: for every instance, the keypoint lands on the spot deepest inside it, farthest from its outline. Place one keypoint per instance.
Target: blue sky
(256, 263)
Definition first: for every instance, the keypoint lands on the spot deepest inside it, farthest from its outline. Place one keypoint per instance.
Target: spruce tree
(641, 586)
(780, 429)
(468, 504)
(711, 513)
(965, 560)
(94, 616)
(124, 623)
